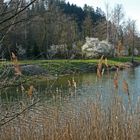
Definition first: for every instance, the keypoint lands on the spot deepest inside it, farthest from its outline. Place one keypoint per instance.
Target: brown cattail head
(99, 68)
(99, 75)
(13, 56)
(116, 77)
(30, 91)
(17, 70)
(115, 83)
(125, 87)
(16, 65)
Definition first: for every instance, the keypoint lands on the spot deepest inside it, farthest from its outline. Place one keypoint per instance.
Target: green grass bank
(60, 67)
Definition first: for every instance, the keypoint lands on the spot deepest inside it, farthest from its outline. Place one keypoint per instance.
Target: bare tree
(117, 20)
(130, 35)
(19, 10)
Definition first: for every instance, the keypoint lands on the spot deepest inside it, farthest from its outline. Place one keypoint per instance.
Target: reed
(82, 121)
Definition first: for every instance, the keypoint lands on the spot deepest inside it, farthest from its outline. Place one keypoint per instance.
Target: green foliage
(55, 22)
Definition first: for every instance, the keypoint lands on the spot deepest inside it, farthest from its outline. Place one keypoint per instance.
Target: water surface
(88, 86)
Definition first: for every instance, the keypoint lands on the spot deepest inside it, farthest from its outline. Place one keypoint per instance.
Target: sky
(131, 7)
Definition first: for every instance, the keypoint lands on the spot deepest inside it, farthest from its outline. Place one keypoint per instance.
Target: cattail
(99, 68)
(98, 73)
(14, 59)
(116, 83)
(16, 65)
(100, 62)
(101, 59)
(30, 91)
(17, 70)
(13, 56)
(125, 87)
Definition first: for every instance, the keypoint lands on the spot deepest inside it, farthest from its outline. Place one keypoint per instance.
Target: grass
(110, 60)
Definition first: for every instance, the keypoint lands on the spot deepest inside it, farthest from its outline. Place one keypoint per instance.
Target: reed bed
(87, 120)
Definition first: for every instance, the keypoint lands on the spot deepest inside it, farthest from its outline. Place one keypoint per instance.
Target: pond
(87, 86)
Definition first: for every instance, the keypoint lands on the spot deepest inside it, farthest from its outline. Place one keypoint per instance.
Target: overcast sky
(131, 7)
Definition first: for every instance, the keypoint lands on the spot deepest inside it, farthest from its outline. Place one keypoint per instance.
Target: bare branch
(17, 13)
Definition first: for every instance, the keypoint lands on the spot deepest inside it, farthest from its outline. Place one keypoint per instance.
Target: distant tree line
(44, 23)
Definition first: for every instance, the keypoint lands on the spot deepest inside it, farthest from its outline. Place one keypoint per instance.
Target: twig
(20, 113)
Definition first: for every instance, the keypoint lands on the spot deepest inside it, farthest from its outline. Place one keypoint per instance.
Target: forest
(30, 28)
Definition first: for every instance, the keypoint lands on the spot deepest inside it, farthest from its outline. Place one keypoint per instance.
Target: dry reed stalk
(91, 123)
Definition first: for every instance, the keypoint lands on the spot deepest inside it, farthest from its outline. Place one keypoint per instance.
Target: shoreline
(64, 67)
